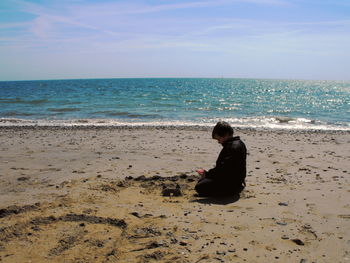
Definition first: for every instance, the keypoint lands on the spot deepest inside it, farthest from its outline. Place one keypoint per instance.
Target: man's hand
(201, 172)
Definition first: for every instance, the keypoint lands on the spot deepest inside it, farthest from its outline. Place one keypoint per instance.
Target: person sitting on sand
(228, 176)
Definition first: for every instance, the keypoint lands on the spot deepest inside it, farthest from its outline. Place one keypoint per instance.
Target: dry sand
(95, 195)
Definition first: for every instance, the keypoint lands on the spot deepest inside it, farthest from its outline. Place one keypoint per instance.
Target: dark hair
(222, 129)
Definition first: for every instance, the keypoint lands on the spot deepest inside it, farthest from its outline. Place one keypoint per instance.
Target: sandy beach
(96, 194)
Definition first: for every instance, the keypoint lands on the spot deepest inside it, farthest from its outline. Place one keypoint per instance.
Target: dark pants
(209, 187)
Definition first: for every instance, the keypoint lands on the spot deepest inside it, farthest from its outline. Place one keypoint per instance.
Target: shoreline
(67, 196)
(255, 123)
(167, 127)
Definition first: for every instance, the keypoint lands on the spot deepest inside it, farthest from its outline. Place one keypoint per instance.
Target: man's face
(220, 139)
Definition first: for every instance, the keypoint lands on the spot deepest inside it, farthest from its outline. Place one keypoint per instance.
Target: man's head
(222, 131)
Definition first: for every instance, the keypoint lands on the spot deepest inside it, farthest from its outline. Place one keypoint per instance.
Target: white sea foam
(273, 123)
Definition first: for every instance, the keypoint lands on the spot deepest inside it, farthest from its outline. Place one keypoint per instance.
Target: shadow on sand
(224, 200)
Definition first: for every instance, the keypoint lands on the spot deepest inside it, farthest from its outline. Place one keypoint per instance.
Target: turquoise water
(242, 102)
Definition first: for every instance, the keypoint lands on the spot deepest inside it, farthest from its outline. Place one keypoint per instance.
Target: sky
(278, 39)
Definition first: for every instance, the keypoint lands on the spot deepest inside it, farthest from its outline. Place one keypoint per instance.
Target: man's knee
(200, 187)
(203, 187)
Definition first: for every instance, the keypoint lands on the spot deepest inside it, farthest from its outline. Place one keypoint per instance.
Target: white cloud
(57, 19)
(131, 32)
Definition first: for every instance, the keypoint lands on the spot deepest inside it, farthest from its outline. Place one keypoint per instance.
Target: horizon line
(222, 77)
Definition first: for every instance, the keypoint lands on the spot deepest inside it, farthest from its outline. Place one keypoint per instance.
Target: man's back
(231, 163)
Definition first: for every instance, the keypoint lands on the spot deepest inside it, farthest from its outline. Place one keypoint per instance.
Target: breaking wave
(273, 123)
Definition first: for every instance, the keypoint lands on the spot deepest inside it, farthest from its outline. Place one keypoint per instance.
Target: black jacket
(230, 166)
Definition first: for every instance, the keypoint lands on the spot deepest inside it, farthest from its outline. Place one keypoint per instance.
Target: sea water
(255, 103)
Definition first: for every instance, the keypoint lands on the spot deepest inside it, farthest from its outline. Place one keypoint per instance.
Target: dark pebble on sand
(167, 191)
(35, 228)
(22, 178)
(298, 242)
(121, 184)
(136, 214)
(183, 243)
(158, 255)
(111, 253)
(155, 244)
(100, 244)
(281, 223)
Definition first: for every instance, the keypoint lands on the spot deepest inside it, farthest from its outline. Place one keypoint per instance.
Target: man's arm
(223, 168)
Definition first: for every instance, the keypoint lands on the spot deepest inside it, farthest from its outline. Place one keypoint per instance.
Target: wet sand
(101, 195)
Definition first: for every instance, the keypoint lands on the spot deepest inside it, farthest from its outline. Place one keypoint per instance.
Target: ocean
(246, 103)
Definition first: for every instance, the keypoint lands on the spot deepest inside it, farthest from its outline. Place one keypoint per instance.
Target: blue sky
(288, 39)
